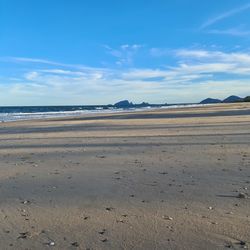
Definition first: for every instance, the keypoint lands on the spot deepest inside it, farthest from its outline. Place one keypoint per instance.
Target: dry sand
(166, 179)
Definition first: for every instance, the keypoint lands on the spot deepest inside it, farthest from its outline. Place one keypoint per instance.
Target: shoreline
(196, 107)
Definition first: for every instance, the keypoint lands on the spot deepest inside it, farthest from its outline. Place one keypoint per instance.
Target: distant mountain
(246, 99)
(210, 101)
(143, 104)
(233, 98)
(124, 104)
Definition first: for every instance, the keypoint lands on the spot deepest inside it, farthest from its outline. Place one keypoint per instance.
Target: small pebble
(51, 243)
(23, 235)
(120, 220)
(26, 202)
(242, 196)
(75, 244)
(102, 232)
(109, 208)
(163, 173)
(167, 217)
(242, 243)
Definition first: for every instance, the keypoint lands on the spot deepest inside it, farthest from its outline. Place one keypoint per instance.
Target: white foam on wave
(8, 117)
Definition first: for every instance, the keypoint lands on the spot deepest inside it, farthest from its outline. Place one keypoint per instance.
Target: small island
(229, 99)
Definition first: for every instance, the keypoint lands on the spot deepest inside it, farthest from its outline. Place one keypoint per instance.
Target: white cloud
(192, 53)
(61, 72)
(232, 32)
(198, 73)
(124, 54)
(31, 60)
(45, 62)
(31, 75)
(215, 56)
(158, 52)
(225, 15)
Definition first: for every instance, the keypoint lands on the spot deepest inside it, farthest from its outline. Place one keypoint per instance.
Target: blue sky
(98, 52)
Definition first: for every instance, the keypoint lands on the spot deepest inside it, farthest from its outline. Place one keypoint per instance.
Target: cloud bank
(197, 74)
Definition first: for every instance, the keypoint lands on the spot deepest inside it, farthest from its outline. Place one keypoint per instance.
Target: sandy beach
(162, 179)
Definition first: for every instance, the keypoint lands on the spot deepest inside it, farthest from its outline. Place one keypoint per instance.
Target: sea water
(40, 112)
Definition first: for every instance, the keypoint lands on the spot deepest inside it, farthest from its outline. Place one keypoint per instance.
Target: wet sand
(163, 179)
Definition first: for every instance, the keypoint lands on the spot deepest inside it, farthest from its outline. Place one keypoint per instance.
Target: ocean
(8, 114)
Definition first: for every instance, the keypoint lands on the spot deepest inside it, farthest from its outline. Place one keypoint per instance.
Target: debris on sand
(26, 202)
(109, 209)
(165, 217)
(75, 244)
(242, 196)
(101, 156)
(51, 243)
(120, 221)
(163, 173)
(242, 243)
(102, 231)
(23, 235)
(214, 223)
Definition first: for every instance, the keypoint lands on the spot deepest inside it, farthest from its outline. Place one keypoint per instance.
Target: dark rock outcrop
(247, 99)
(124, 104)
(233, 98)
(210, 101)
